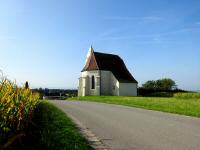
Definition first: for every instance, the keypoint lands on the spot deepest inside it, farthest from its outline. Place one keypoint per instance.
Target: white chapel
(106, 74)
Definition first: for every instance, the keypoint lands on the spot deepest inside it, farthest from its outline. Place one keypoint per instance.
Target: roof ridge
(106, 53)
(110, 62)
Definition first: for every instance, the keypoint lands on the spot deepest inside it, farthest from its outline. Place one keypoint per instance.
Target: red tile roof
(109, 62)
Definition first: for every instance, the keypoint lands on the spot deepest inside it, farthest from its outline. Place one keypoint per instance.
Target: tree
(160, 85)
(165, 84)
(150, 85)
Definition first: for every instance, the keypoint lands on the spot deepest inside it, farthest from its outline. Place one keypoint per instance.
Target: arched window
(93, 82)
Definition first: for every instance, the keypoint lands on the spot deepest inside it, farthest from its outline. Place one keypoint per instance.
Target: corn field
(187, 95)
(16, 106)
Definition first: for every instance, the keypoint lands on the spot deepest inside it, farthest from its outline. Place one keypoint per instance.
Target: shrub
(161, 94)
(187, 95)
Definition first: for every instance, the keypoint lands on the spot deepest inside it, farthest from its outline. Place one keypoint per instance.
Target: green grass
(187, 95)
(52, 130)
(189, 107)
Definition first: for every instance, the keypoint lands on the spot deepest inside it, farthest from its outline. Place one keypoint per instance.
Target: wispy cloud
(110, 32)
(144, 39)
(183, 30)
(119, 18)
(159, 37)
(163, 37)
(197, 23)
(129, 18)
(151, 18)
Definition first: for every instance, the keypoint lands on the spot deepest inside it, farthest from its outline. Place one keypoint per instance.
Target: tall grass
(16, 107)
(187, 95)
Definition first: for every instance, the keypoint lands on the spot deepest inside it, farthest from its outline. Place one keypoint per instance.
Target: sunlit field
(184, 104)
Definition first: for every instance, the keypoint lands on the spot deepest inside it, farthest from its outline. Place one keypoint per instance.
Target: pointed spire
(90, 51)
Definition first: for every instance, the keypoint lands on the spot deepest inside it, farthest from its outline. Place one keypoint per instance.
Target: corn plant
(187, 95)
(16, 106)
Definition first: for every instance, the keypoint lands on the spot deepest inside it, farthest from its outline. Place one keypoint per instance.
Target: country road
(127, 128)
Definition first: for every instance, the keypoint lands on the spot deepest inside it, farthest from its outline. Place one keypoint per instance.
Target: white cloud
(151, 18)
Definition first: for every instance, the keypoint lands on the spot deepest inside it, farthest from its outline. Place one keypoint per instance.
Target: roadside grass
(52, 130)
(189, 107)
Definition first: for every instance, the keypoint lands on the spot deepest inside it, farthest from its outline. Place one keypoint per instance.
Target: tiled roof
(109, 62)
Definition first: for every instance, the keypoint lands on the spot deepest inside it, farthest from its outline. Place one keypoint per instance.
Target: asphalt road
(125, 128)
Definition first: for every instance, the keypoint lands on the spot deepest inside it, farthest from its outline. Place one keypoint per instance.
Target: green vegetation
(159, 88)
(187, 95)
(160, 85)
(184, 106)
(51, 129)
(16, 110)
(27, 123)
(54, 130)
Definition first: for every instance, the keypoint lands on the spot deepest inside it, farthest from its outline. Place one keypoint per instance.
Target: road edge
(95, 142)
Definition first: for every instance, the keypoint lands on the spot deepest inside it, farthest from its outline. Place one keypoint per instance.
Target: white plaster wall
(80, 87)
(128, 89)
(88, 75)
(105, 82)
(109, 85)
(114, 85)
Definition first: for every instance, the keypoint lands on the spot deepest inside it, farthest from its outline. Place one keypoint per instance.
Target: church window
(93, 82)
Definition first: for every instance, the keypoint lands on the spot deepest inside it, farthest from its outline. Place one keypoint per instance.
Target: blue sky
(46, 42)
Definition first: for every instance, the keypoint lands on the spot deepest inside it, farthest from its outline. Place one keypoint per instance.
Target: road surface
(127, 128)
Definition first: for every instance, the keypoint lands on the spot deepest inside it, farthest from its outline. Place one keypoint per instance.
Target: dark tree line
(162, 88)
(56, 92)
(161, 84)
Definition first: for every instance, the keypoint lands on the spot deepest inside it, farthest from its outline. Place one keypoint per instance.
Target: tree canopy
(161, 84)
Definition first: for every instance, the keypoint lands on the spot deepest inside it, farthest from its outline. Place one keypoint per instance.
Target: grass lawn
(52, 130)
(189, 107)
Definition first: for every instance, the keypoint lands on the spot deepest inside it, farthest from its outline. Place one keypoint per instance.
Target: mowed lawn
(189, 107)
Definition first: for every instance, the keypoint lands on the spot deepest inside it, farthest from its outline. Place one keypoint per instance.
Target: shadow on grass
(51, 129)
